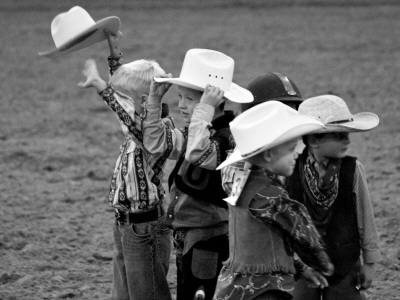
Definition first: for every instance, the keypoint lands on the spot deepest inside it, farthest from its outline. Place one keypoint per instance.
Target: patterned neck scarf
(275, 179)
(322, 179)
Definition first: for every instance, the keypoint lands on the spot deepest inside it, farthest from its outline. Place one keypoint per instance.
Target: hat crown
(68, 25)
(202, 66)
(272, 86)
(326, 108)
(267, 125)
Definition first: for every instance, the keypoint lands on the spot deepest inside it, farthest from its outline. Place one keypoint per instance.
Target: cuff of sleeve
(371, 256)
(113, 58)
(204, 112)
(106, 92)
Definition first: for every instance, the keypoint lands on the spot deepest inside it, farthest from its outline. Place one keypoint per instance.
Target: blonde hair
(136, 76)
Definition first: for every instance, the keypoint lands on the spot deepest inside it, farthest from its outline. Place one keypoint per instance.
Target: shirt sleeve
(204, 147)
(114, 63)
(124, 107)
(365, 217)
(228, 175)
(158, 138)
(293, 218)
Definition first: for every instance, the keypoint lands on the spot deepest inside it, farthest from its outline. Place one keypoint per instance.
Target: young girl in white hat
(265, 225)
(333, 187)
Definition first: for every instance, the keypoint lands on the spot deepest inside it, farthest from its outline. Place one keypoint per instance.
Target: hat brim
(235, 94)
(363, 121)
(301, 125)
(90, 36)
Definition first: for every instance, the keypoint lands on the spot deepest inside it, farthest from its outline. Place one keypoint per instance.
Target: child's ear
(312, 140)
(144, 97)
(267, 155)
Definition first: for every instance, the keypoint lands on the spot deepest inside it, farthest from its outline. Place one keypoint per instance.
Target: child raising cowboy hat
(197, 214)
(265, 225)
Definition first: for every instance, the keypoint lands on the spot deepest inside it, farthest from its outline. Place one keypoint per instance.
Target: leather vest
(339, 229)
(256, 247)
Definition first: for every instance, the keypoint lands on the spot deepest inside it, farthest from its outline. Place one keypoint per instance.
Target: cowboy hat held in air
(76, 29)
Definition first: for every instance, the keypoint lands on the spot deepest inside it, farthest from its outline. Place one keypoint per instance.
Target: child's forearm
(201, 149)
(114, 62)
(157, 137)
(124, 108)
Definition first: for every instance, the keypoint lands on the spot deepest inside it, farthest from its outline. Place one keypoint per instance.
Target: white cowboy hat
(333, 112)
(75, 29)
(202, 66)
(265, 126)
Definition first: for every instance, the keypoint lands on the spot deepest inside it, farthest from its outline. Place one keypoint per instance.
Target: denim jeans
(141, 261)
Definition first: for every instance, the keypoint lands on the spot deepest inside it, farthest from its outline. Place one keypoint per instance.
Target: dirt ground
(59, 143)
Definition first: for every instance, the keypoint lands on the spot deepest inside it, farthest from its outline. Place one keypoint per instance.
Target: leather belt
(129, 217)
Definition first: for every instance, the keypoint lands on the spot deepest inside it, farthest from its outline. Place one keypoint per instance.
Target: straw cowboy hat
(75, 29)
(202, 66)
(333, 112)
(265, 126)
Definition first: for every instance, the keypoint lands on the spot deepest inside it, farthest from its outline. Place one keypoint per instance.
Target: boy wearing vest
(334, 189)
(265, 87)
(266, 227)
(197, 214)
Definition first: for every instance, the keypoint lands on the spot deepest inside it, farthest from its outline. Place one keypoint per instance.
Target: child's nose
(181, 103)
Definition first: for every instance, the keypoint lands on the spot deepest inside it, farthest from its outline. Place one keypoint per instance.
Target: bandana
(322, 180)
(275, 179)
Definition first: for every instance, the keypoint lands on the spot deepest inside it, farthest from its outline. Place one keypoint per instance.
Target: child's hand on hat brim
(158, 89)
(213, 96)
(93, 78)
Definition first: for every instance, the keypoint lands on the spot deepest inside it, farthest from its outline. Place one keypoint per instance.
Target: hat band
(252, 153)
(341, 121)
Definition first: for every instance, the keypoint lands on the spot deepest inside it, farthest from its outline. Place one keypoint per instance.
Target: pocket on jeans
(162, 228)
(141, 230)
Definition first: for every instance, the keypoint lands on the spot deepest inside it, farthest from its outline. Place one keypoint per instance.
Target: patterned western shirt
(136, 181)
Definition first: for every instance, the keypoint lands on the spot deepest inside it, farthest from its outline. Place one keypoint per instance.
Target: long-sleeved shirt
(136, 182)
(203, 146)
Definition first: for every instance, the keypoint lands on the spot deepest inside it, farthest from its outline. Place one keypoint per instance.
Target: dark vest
(255, 247)
(338, 228)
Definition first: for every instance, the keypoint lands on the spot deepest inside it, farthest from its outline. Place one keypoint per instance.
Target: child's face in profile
(332, 145)
(283, 158)
(188, 98)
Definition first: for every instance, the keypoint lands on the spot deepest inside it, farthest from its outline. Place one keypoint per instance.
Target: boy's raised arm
(115, 58)
(158, 138)
(123, 107)
(203, 148)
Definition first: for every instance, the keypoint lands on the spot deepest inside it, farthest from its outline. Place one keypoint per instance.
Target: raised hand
(158, 89)
(213, 96)
(113, 42)
(92, 77)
